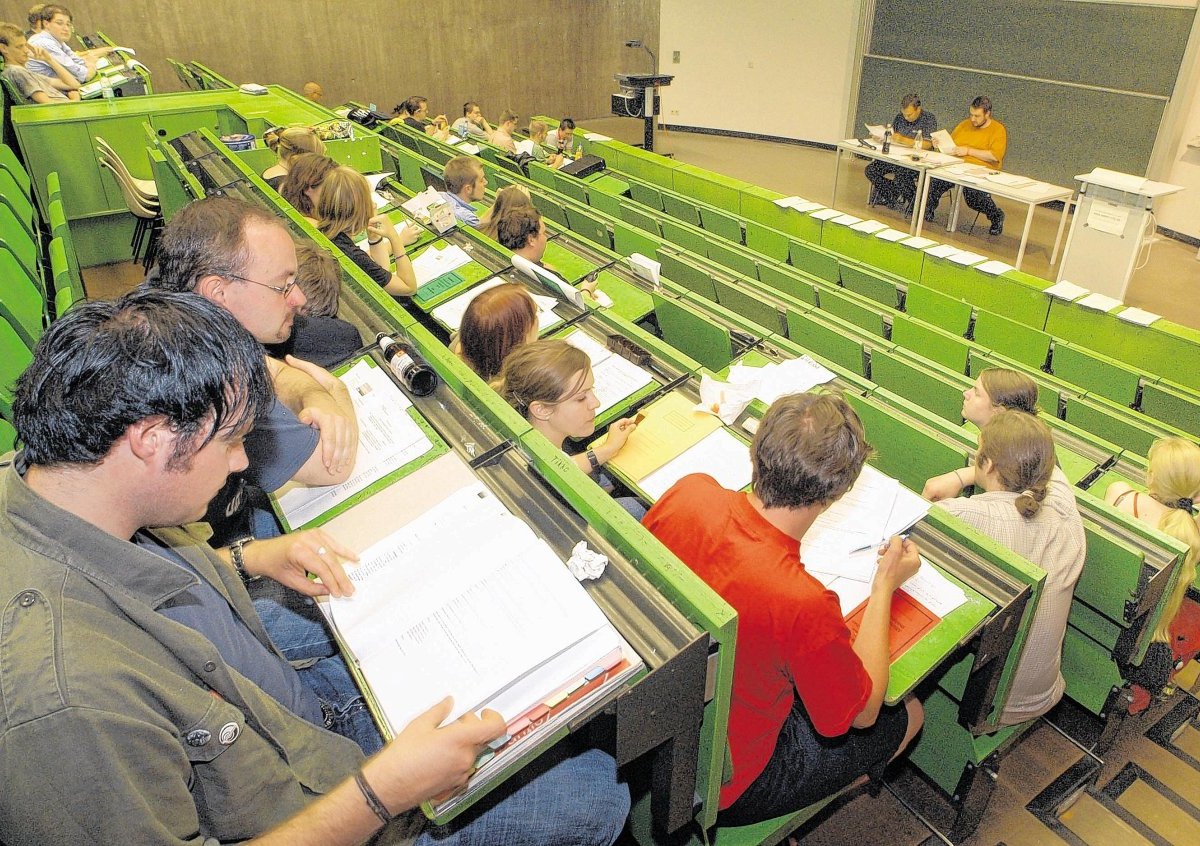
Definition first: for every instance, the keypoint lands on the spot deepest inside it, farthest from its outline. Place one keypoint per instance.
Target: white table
(921, 161)
(1032, 193)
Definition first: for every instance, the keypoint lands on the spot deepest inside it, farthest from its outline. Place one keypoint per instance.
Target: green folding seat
(814, 260)
(721, 223)
(1023, 343)
(680, 208)
(588, 226)
(869, 283)
(645, 194)
(15, 356)
(934, 307)
(639, 218)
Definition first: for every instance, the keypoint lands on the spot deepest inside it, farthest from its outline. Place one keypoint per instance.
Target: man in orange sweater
(981, 140)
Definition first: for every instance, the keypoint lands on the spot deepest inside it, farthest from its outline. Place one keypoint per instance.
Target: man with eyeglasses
(56, 31)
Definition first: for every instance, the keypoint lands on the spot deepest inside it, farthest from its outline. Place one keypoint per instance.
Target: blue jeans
(298, 630)
(563, 798)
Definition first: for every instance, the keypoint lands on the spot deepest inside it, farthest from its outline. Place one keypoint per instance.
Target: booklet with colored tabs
(466, 600)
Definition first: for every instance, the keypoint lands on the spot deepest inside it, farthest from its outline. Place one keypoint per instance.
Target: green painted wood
(823, 337)
(693, 333)
(1026, 344)
(935, 308)
(935, 344)
(870, 283)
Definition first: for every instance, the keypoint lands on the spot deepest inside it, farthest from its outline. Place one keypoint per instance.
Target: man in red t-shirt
(807, 714)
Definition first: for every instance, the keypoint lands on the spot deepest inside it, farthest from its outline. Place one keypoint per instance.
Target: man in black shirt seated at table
(902, 186)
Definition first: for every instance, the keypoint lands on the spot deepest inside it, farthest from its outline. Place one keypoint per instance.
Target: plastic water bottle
(409, 367)
(887, 139)
(918, 139)
(106, 88)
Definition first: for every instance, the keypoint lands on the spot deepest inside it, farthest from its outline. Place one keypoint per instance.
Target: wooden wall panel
(535, 56)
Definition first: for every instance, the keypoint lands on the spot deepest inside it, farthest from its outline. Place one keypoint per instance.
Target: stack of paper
(772, 381)
(674, 438)
(615, 377)
(389, 438)
(432, 263)
(421, 202)
(645, 268)
(1065, 290)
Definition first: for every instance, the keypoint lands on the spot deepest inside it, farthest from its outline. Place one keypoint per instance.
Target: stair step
(1096, 825)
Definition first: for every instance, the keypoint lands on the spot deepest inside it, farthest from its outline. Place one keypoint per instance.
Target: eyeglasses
(283, 292)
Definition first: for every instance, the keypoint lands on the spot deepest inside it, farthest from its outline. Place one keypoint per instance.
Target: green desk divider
(1111, 422)
(627, 241)
(550, 208)
(935, 308)
(896, 258)
(871, 284)
(693, 334)
(588, 226)
(935, 344)
(677, 268)
(569, 186)
(639, 218)
(732, 257)
(688, 238)
(1099, 374)
(745, 303)
(680, 208)
(1172, 404)
(609, 204)
(851, 310)
(722, 224)
(1016, 340)
(824, 337)
(435, 287)
(645, 194)
(814, 261)
(23, 304)
(708, 187)
(770, 242)
(787, 281)
(543, 175)
(1074, 466)
(905, 377)
(1000, 294)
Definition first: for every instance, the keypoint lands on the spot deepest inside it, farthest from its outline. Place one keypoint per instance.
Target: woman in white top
(1028, 505)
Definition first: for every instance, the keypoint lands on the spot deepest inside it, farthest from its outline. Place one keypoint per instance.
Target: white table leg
(1025, 235)
(952, 221)
(1062, 225)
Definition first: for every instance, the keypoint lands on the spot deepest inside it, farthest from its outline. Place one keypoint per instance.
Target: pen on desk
(881, 546)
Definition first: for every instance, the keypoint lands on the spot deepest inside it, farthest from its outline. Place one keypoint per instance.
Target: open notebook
(465, 600)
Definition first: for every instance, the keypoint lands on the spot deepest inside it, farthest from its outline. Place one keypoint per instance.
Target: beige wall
(555, 56)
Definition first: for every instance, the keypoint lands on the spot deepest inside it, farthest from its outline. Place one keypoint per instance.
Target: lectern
(639, 98)
(1111, 224)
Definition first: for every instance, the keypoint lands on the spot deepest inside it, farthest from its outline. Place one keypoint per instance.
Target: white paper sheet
(891, 235)
(434, 262)
(719, 454)
(1065, 290)
(942, 251)
(615, 377)
(464, 599)
(388, 439)
(826, 214)
(869, 226)
(994, 268)
(846, 220)
(1138, 316)
(1098, 302)
(934, 591)
(966, 258)
(645, 268)
(918, 242)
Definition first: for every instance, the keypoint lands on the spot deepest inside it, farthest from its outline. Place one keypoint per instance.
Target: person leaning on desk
(903, 185)
(980, 140)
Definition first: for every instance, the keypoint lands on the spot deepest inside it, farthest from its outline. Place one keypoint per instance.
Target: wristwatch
(593, 460)
(239, 559)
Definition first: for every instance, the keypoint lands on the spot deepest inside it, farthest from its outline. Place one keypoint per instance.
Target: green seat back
(869, 283)
(693, 334)
(814, 261)
(8, 436)
(589, 227)
(53, 186)
(748, 305)
(10, 162)
(22, 302)
(680, 208)
(1095, 373)
(904, 451)
(1023, 343)
(1172, 404)
(627, 240)
(921, 385)
(735, 259)
(826, 339)
(935, 344)
(677, 268)
(690, 239)
(569, 186)
(850, 309)
(769, 242)
(15, 356)
(602, 201)
(720, 223)
(639, 218)
(550, 208)
(645, 194)
(936, 308)
(787, 281)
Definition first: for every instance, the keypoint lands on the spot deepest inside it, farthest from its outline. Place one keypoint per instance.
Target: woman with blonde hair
(996, 389)
(495, 323)
(507, 198)
(1028, 505)
(551, 384)
(302, 185)
(287, 144)
(1169, 505)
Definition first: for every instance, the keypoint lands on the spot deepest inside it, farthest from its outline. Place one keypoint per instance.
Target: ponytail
(1021, 450)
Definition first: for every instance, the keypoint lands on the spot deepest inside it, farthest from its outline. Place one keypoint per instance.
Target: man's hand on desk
(332, 414)
(429, 763)
(899, 561)
(288, 559)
